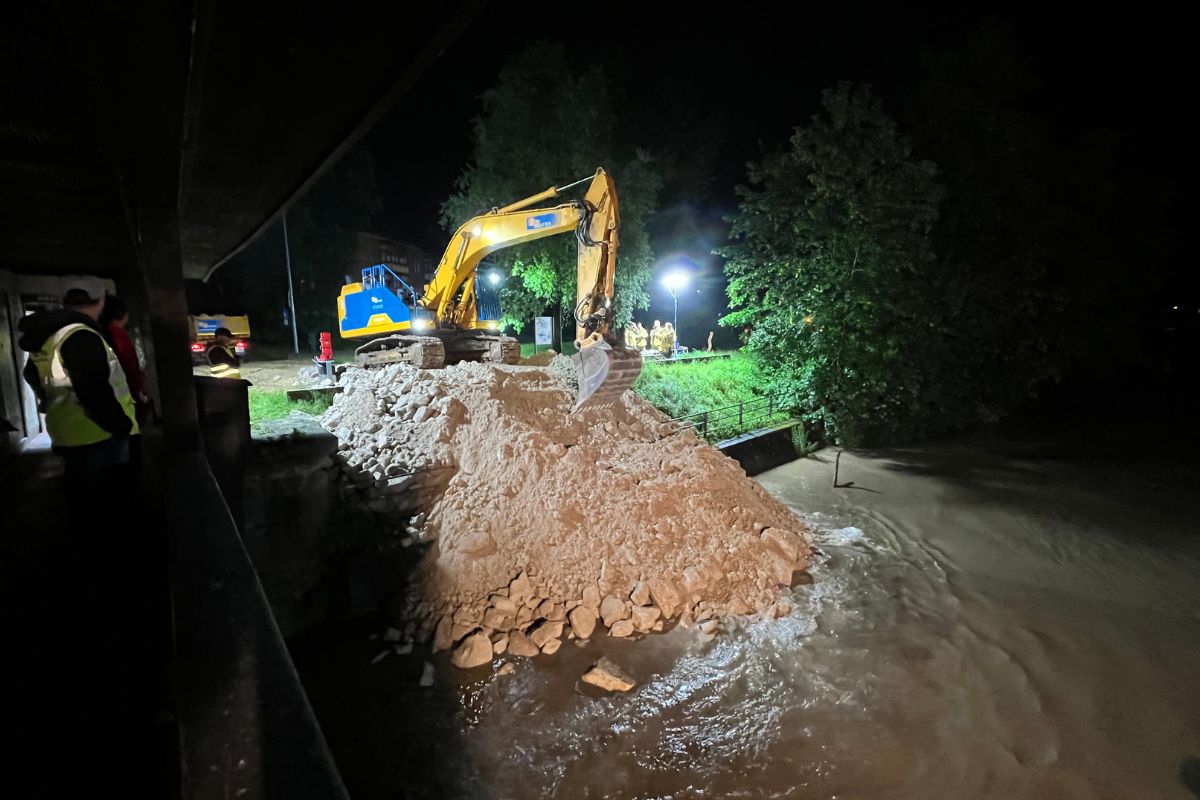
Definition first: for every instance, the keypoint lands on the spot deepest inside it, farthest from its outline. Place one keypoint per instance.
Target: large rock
(442, 638)
(612, 609)
(665, 597)
(475, 651)
(520, 589)
(583, 621)
(503, 604)
(644, 617)
(550, 610)
(519, 645)
(784, 541)
(545, 632)
(622, 627)
(640, 594)
(496, 619)
(609, 677)
(591, 597)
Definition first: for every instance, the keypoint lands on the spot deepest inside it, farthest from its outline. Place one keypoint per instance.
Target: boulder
(474, 651)
(644, 617)
(519, 645)
(583, 621)
(607, 675)
(622, 627)
(612, 609)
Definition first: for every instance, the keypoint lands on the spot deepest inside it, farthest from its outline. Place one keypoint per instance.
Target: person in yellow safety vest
(223, 362)
(631, 335)
(643, 337)
(663, 340)
(80, 385)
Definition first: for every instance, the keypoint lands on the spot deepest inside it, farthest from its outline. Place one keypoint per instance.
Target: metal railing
(721, 423)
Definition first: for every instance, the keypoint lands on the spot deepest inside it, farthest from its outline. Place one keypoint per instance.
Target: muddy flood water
(978, 626)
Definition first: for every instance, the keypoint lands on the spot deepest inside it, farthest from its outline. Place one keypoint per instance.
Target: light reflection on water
(1028, 633)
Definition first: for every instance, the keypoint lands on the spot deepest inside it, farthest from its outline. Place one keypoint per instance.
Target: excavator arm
(475, 241)
(447, 306)
(604, 367)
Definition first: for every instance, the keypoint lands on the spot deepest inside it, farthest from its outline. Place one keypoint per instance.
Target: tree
(832, 267)
(547, 123)
(1039, 226)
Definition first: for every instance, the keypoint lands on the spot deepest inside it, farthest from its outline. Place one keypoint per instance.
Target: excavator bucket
(604, 373)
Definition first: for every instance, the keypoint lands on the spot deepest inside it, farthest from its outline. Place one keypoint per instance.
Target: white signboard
(542, 330)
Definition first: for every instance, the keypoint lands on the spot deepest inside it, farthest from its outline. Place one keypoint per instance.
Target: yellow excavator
(455, 319)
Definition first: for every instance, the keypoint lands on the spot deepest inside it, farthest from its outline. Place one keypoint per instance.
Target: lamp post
(674, 281)
(287, 258)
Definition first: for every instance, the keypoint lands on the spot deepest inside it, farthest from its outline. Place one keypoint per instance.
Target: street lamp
(674, 281)
(494, 278)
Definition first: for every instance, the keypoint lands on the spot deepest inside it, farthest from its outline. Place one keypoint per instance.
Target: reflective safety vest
(66, 420)
(223, 370)
(664, 341)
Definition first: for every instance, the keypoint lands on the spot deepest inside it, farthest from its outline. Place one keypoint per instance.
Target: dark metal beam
(313, 88)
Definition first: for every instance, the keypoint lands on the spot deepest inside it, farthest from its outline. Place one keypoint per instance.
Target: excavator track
(434, 352)
(423, 352)
(492, 348)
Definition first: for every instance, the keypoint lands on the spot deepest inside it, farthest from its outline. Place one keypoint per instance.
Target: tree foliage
(898, 299)
(833, 270)
(547, 122)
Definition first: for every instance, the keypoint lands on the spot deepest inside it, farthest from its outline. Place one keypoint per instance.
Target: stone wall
(327, 542)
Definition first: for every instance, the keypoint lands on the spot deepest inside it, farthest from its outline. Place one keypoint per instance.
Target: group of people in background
(660, 337)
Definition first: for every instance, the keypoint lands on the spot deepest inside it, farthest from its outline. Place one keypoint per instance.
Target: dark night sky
(765, 72)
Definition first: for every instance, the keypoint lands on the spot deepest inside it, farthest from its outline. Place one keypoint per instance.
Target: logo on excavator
(539, 221)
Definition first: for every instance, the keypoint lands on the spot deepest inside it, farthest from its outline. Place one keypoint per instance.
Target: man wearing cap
(223, 362)
(80, 385)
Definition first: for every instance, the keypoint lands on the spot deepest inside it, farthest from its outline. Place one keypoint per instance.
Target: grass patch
(715, 385)
(274, 404)
(679, 389)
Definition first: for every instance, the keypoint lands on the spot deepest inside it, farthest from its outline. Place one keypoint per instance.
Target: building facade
(408, 261)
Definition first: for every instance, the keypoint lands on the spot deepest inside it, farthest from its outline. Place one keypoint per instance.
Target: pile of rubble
(553, 525)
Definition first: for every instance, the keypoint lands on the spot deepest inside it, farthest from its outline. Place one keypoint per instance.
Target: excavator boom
(443, 323)
(603, 366)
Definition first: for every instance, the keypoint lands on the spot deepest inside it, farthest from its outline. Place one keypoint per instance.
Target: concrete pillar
(157, 243)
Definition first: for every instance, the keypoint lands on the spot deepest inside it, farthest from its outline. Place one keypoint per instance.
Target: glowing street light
(494, 278)
(673, 281)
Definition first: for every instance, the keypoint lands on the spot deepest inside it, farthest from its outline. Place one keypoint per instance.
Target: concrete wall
(759, 451)
(327, 542)
(11, 363)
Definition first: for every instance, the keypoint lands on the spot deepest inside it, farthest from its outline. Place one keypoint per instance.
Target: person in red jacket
(113, 320)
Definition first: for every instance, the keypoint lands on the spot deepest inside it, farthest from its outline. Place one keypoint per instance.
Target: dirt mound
(555, 524)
